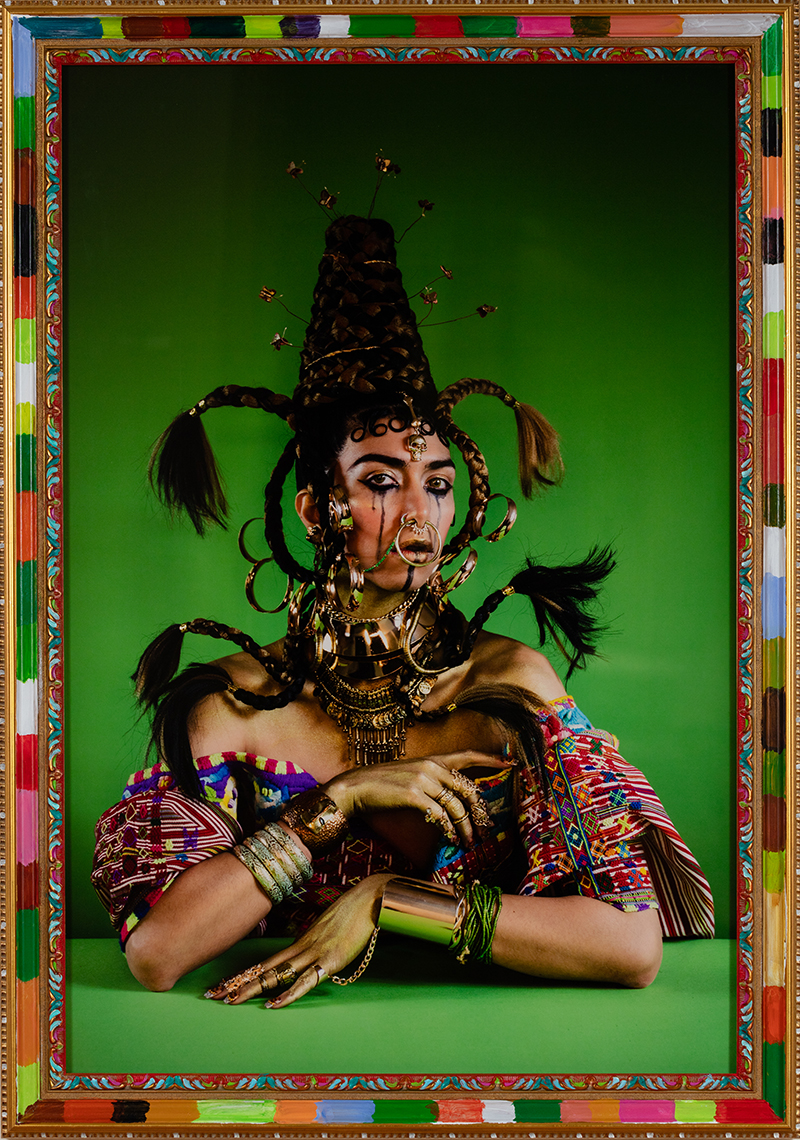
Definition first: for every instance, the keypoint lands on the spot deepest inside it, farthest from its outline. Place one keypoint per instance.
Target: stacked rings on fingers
(465, 787)
(275, 862)
(445, 798)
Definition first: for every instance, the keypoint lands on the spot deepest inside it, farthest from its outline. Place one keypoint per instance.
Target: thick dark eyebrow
(399, 464)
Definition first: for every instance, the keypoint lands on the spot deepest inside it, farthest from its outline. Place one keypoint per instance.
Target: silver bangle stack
(276, 863)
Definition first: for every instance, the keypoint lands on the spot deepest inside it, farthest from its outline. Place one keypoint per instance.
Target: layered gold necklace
(374, 719)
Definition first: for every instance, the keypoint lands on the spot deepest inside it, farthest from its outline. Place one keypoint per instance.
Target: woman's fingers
(470, 792)
(260, 979)
(471, 759)
(456, 815)
(308, 980)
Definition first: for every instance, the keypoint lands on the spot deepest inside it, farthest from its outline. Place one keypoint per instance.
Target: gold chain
(365, 962)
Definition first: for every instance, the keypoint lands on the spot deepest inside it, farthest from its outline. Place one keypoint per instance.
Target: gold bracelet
(260, 873)
(273, 854)
(282, 837)
(316, 820)
(420, 910)
(270, 864)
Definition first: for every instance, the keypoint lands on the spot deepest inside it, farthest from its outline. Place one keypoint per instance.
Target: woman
(317, 785)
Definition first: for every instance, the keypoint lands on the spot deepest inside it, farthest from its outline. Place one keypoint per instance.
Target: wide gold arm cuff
(421, 910)
(315, 819)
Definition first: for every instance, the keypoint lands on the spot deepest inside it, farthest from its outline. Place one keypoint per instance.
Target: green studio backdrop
(590, 204)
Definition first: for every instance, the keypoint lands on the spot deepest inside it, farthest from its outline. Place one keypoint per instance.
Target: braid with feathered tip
(183, 469)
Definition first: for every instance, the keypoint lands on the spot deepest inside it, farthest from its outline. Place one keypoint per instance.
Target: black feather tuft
(560, 596)
(184, 473)
(158, 665)
(170, 736)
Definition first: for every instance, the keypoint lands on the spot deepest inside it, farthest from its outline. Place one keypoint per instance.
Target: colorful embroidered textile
(603, 824)
(599, 830)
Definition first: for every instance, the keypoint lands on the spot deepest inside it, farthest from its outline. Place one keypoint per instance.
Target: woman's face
(383, 484)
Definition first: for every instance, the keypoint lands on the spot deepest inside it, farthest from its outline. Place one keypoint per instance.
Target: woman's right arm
(207, 909)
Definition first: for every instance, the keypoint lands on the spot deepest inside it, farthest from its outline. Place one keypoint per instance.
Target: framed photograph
(594, 203)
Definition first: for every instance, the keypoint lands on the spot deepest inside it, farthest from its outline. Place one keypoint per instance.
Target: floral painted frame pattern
(37, 1052)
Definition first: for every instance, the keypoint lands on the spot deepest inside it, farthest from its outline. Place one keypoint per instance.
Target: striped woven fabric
(604, 826)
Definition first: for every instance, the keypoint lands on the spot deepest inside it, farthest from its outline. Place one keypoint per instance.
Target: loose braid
(479, 488)
(538, 454)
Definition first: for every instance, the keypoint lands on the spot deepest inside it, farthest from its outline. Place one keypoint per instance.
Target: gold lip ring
(409, 522)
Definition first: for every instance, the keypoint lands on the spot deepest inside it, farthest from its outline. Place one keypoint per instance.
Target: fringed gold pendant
(373, 720)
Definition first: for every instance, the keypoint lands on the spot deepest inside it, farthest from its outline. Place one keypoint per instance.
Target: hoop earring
(505, 526)
(442, 586)
(242, 548)
(249, 589)
(408, 522)
(295, 609)
(356, 586)
(339, 510)
(407, 636)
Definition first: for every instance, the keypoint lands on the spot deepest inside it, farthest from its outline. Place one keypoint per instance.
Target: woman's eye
(439, 486)
(380, 481)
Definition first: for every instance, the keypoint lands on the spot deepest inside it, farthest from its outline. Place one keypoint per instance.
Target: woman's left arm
(577, 938)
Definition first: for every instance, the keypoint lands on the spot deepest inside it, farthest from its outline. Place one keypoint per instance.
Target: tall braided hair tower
(363, 370)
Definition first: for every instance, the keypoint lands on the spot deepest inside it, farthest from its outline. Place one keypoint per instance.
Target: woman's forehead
(391, 444)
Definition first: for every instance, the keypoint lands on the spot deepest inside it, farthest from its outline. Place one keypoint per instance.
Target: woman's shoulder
(247, 673)
(219, 722)
(502, 659)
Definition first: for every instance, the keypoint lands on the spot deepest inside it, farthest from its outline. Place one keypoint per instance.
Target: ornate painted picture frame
(65, 1002)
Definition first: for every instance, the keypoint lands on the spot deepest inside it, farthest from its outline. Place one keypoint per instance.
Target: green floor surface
(413, 1011)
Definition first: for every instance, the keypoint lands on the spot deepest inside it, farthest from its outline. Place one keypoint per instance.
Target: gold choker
(371, 648)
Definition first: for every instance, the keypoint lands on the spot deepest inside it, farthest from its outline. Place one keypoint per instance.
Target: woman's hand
(432, 784)
(340, 935)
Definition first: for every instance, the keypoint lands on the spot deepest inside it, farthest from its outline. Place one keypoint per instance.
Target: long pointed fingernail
(210, 994)
(271, 1005)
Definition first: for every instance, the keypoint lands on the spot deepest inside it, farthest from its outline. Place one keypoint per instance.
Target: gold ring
(429, 816)
(463, 783)
(444, 797)
(285, 975)
(459, 818)
(321, 975)
(263, 986)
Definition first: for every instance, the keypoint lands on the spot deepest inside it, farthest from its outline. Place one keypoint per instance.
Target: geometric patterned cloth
(598, 829)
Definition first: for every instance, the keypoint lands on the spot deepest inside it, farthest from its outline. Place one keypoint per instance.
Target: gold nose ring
(408, 522)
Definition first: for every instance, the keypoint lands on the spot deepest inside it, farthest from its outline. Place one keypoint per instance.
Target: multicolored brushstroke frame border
(35, 1056)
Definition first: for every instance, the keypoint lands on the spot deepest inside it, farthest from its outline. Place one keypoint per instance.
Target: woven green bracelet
(474, 937)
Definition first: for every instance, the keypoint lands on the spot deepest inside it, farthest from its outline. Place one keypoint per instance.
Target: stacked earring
(256, 564)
